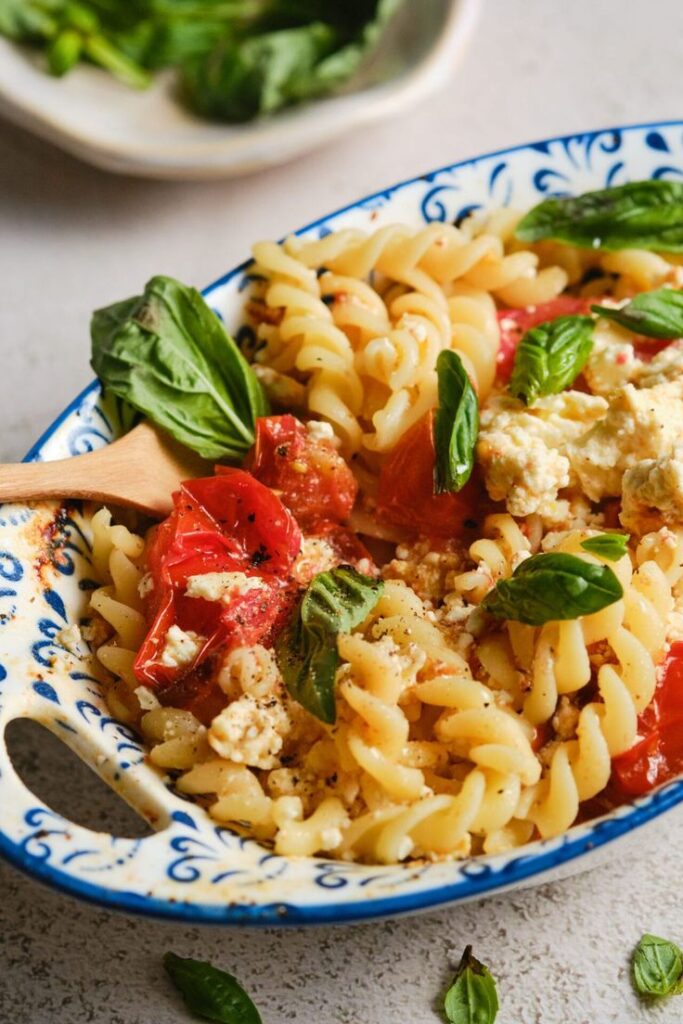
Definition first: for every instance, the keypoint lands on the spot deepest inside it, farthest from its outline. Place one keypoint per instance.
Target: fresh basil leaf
(551, 356)
(553, 586)
(657, 314)
(30, 20)
(168, 355)
(641, 215)
(456, 424)
(612, 546)
(210, 992)
(335, 602)
(657, 966)
(64, 51)
(472, 997)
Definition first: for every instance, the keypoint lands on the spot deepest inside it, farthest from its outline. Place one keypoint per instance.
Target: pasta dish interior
(429, 605)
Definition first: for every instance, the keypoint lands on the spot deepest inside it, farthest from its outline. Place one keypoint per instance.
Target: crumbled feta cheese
(667, 365)
(222, 586)
(146, 698)
(181, 648)
(71, 638)
(146, 585)
(523, 451)
(612, 362)
(319, 430)
(250, 732)
(638, 425)
(316, 556)
(652, 493)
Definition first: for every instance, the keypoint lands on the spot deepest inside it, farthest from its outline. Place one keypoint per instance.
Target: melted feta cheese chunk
(250, 731)
(180, 648)
(639, 424)
(667, 365)
(523, 451)
(652, 493)
(613, 361)
(222, 586)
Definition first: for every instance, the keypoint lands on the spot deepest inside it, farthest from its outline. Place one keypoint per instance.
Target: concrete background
(71, 239)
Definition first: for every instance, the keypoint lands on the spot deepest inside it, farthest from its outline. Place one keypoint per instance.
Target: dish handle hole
(60, 780)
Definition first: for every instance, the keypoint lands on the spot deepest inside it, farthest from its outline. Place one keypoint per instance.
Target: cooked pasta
(441, 715)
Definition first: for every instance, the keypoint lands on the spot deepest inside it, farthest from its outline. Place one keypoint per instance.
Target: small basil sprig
(641, 214)
(551, 356)
(553, 586)
(612, 546)
(657, 314)
(472, 997)
(456, 424)
(657, 967)
(210, 992)
(335, 602)
(168, 355)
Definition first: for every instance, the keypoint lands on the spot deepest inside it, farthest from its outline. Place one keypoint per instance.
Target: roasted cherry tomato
(658, 755)
(310, 476)
(514, 323)
(227, 523)
(406, 489)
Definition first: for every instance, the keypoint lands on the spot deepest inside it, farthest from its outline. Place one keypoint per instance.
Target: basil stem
(168, 355)
(552, 587)
(472, 997)
(640, 215)
(550, 356)
(657, 314)
(612, 546)
(335, 602)
(210, 992)
(456, 424)
(657, 967)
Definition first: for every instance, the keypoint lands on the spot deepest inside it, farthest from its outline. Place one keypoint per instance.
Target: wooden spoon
(140, 470)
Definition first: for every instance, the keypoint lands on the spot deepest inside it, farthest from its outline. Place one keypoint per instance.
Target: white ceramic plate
(192, 868)
(96, 118)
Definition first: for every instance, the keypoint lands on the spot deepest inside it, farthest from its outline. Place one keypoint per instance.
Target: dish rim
(581, 838)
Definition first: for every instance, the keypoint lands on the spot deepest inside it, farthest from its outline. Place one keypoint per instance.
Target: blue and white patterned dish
(192, 869)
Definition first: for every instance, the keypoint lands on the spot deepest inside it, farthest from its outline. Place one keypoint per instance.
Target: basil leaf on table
(168, 355)
(335, 602)
(210, 992)
(640, 215)
(550, 357)
(657, 314)
(612, 546)
(472, 997)
(657, 967)
(456, 424)
(552, 587)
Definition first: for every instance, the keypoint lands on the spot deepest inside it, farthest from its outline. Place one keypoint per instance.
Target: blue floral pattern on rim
(192, 869)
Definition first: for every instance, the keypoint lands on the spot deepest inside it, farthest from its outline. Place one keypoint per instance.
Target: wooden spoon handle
(141, 470)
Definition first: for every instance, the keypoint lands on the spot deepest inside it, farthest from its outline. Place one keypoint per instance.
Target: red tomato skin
(406, 489)
(227, 523)
(514, 323)
(309, 475)
(658, 755)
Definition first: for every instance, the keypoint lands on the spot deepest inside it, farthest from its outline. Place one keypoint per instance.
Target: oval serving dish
(191, 868)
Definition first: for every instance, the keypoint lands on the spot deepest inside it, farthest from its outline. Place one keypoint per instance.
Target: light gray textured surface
(71, 239)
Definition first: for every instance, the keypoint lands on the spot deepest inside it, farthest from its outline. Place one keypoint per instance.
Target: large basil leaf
(657, 314)
(472, 997)
(612, 546)
(335, 602)
(657, 966)
(168, 355)
(210, 992)
(641, 215)
(456, 424)
(551, 356)
(553, 586)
